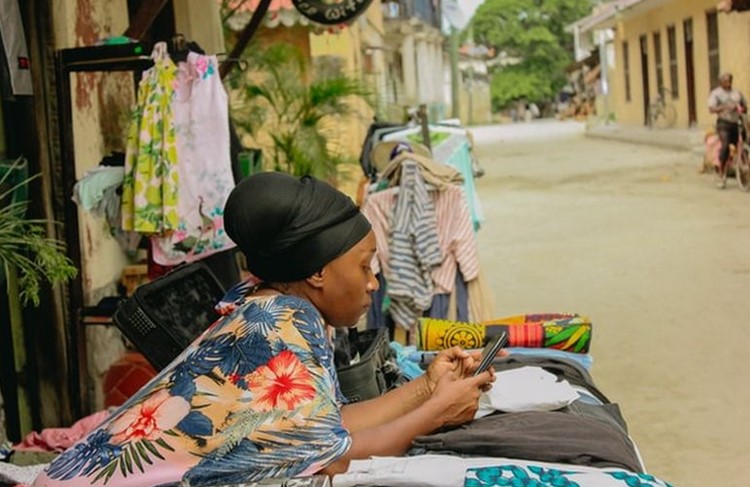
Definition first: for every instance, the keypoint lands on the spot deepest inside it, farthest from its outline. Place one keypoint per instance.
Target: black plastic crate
(165, 315)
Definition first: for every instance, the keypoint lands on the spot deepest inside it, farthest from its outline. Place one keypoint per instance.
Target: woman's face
(348, 283)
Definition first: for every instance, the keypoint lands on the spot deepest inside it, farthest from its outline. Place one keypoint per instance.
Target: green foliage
(533, 32)
(278, 98)
(24, 245)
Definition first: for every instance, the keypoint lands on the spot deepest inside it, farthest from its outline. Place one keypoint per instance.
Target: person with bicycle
(727, 103)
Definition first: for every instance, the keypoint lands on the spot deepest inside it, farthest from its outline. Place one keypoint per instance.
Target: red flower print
(283, 382)
(146, 420)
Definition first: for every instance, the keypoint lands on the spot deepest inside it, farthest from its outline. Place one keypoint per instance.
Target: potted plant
(278, 97)
(28, 257)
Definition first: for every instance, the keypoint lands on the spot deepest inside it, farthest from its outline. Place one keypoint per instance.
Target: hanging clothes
(149, 194)
(438, 175)
(414, 249)
(454, 229)
(200, 116)
(15, 52)
(456, 152)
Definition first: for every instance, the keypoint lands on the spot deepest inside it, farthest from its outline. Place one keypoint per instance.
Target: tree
(533, 32)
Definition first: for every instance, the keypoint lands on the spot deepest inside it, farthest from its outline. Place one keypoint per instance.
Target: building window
(672, 44)
(712, 25)
(658, 62)
(626, 65)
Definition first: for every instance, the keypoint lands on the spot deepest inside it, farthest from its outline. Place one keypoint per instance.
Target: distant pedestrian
(534, 109)
(727, 103)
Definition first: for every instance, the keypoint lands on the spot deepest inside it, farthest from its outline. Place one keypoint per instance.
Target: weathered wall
(101, 110)
(358, 48)
(201, 22)
(734, 31)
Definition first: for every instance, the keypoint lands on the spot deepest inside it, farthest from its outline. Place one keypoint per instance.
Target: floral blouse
(255, 397)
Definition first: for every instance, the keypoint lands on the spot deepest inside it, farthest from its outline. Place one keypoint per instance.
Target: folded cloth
(90, 190)
(13, 474)
(526, 389)
(434, 173)
(452, 471)
(545, 436)
(60, 439)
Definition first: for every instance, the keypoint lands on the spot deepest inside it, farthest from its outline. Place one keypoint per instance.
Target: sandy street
(635, 238)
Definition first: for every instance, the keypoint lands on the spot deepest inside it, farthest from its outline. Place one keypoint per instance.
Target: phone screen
(490, 351)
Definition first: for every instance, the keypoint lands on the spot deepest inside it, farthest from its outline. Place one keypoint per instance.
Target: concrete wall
(734, 34)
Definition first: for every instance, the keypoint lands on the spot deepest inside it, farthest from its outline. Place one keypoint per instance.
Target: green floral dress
(149, 193)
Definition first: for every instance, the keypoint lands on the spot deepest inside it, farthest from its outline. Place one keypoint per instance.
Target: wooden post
(144, 17)
(245, 37)
(425, 126)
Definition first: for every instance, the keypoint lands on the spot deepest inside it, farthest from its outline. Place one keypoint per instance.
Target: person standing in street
(727, 103)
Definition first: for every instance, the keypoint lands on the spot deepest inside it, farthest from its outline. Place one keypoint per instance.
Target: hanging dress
(149, 192)
(201, 123)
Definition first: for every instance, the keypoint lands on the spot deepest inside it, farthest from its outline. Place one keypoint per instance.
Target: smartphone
(490, 351)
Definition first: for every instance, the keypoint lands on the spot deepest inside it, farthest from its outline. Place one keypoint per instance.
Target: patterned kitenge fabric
(255, 397)
(566, 332)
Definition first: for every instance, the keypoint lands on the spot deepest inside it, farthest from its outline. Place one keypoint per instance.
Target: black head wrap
(289, 228)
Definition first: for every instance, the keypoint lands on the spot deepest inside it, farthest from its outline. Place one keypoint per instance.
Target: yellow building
(680, 45)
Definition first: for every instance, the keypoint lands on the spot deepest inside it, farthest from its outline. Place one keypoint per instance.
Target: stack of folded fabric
(566, 332)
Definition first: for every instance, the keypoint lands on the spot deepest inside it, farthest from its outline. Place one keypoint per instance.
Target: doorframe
(643, 47)
(688, 34)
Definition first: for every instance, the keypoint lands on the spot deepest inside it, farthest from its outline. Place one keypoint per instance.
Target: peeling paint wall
(101, 111)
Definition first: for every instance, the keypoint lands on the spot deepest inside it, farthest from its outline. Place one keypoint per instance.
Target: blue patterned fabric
(255, 397)
(538, 476)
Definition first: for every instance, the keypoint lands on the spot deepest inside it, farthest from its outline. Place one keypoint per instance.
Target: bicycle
(739, 159)
(660, 113)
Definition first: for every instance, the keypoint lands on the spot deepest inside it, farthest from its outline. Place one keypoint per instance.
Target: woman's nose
(372, 283)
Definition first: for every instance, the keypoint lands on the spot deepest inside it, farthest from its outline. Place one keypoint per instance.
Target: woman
(256, 396)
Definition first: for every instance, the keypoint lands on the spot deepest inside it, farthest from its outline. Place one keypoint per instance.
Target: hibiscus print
(145, 421)
(284, 382)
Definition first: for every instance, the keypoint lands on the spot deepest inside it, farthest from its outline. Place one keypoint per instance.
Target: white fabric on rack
(201, 120)
(526, 389)
(16, 51)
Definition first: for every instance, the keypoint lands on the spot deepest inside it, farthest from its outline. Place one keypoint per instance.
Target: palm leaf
(24, 244)
(150, 447)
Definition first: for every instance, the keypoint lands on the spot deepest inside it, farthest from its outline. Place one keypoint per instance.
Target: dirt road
(658, 258)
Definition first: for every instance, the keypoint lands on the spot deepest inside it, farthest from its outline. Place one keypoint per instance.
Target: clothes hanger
(179, 48)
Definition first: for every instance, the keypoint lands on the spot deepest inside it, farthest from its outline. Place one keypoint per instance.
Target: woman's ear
(317, 279)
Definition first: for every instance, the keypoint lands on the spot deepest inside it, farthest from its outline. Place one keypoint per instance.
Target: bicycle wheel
(664, 117)
(653, 114)
(742, 167)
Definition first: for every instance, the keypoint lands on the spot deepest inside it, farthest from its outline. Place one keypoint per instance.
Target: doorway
(644, 75)
(690, 71)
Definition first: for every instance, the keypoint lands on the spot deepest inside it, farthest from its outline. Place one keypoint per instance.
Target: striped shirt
(454, 229)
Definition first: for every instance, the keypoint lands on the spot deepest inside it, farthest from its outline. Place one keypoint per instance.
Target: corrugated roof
(252, 5)
(604, 15)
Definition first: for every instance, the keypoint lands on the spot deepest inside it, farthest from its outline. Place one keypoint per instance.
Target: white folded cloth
(526, 389)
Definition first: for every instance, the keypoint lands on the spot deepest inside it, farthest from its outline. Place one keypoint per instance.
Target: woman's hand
(455, 362)
(458, 398)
